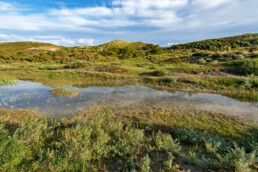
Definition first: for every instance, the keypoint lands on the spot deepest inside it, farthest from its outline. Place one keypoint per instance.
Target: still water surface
(24, 94)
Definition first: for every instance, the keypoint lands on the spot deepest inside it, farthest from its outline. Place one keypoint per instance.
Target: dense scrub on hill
(221, 44)
(125, 50)
(40, 52)
(118, 49)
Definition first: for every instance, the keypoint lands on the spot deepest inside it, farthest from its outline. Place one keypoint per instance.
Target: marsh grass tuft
(64, 92)
(7, 81)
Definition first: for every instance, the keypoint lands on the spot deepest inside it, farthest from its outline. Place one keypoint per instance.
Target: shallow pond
(24, 94)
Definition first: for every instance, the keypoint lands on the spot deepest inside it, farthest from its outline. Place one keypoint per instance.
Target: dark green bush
(254, 56)
(200, 54)
(217, 56)
(160, 72)
(246, 67)
(168, 80)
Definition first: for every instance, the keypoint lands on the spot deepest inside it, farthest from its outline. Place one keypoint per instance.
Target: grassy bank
(7, 81)
(103, 138)
(237, 87)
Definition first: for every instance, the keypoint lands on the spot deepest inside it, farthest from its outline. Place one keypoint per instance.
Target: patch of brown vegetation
(213, 72)
(98, 69)
(108, 69)
(15, 117)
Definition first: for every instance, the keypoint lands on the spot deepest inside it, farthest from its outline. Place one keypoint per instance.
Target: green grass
(64, 92)
(7, 81)
(240, 87)
(103, 138)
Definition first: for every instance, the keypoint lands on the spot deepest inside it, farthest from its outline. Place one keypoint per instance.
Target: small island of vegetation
(64, 92)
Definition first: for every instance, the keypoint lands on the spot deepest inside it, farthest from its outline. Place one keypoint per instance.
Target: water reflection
(26, 94)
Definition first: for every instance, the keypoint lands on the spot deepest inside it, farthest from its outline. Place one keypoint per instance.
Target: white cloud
(20, 22)
(163, 14)
(148, 4)
(34, 22)
(76, 20)
(66, 41)
(14, 38)
(147, 12)
(48, 37)
(170, 44)
(221, 23)
(13, 18)
(57, 40)
(3, 37)
(89, 11)
(6, 6)
(89, 42)
(210, 3)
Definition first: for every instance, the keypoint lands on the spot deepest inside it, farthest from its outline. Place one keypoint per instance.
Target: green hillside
(236, 54)
(25, 51)
(33, 51)
(22, 46)
(227, 43)
(124, 49)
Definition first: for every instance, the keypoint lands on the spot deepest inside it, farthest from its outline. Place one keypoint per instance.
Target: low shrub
(168, 80)
(160, 72)
(240, 159)
(176, 60)
(76, 65)
(200, 54)
(202, 61)
(246, 67)
(105, 140)
(109, 69)
(254, 56)
(217, 56)
(239, 57)
(51, 67)
(167, 143)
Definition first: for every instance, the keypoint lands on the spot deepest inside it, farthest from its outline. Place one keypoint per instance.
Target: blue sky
(92, 22)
